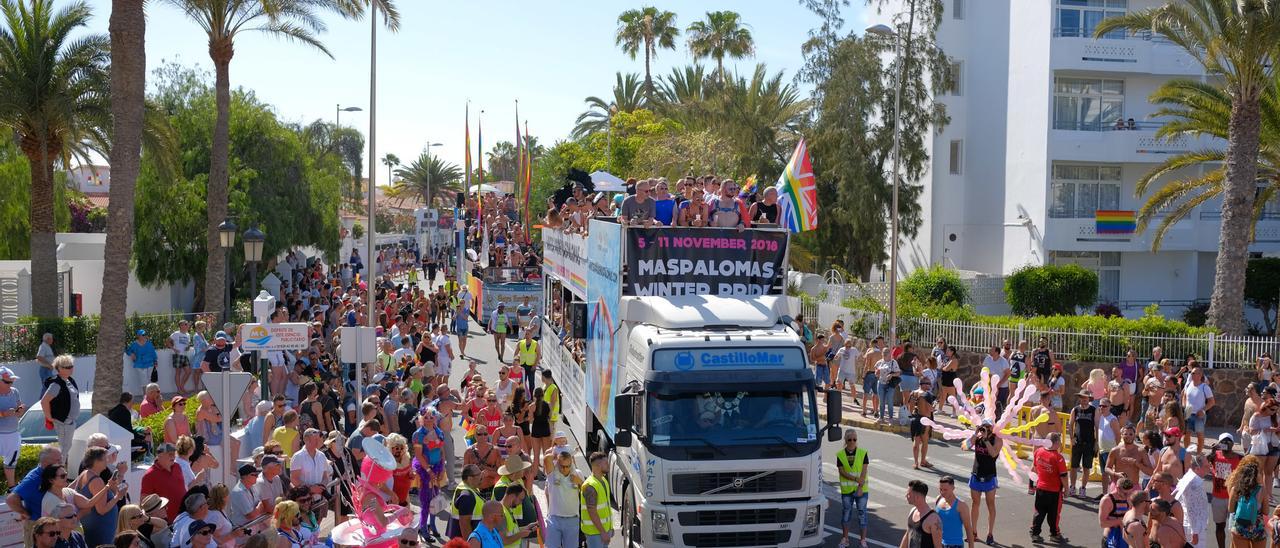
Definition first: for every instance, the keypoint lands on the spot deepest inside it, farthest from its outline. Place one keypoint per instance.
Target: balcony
(1139, 53)
(1076, 231)
(1099, 142)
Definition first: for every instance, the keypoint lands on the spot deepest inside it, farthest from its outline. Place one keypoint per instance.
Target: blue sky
(549, 55)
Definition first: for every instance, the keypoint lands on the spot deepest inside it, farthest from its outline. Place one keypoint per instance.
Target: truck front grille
(698, 483)
(737, 517)
(737, 538)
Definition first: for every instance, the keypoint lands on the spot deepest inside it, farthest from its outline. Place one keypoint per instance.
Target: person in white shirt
(404, 352)
(1190, 494)
(1197, 398)
(309, 467)
(998, 365)
(563, 482)
(181, 344)
(444, 356)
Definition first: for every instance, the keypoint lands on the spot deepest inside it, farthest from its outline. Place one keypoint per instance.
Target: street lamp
(337, 113)
(227, 240)
(428, 149)
(253, 239)
(886, 32)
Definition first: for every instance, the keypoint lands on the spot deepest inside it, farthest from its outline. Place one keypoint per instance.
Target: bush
(156, 422)
(935, 285)
(1051, 290)
(1107, 310)
(78, 335)
(1196, 315)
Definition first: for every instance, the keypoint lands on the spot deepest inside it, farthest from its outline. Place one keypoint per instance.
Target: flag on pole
(798, 192)
(749, 187)
(480, 173)
(528, 183)
(518, 178)
(466, 162)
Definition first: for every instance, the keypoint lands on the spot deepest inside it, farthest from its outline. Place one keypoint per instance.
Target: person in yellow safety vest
(512, 500)
(551, 395)
(467, 505)
(512, 472)
(593, 503)
(852, 463)
(530, 355)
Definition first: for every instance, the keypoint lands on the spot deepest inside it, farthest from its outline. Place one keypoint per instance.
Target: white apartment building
(1040, 138)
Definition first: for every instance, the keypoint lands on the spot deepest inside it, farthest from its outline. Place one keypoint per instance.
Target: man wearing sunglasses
(68, 523)
(201, 534)
(46, 533)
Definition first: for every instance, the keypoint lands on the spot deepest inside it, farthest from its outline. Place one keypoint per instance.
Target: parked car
(31, 426)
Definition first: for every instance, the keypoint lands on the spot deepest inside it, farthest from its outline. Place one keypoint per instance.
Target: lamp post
(885, 31)
(253, 239)
(227, 240)
(431, 232)
(337, 113)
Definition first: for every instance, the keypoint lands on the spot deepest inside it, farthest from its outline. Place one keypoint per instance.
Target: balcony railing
(1064, 213)
(1073, 125)
(1217, 214)
(1144, 35)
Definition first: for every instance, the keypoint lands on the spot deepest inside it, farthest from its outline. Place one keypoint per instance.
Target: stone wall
(1228, 385)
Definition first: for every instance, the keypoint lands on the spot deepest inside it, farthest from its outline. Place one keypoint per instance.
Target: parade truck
(673, 352)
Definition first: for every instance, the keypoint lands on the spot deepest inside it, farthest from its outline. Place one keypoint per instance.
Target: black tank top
(916, 537)
(769, 212)
(1085, 427)
(984, 465)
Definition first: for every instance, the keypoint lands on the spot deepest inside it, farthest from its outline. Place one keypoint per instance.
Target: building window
(1079, 18)
(957, 156)
(957, 77)
(1105, 264)
(1088, 104)
(1077, 191)
(957, 9)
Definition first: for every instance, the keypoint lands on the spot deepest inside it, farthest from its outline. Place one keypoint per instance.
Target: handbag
(155, 377)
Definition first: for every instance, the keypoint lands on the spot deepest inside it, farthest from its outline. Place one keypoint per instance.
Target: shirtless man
(1133, 524)
(1152, 392)
(1054, 424)
(818, 356)
(446, 403)
(1173, 456)
(1163, 484)
(1127, 460)
(1119, 391)
(920, 404)
(1166, 529)
(869, 360)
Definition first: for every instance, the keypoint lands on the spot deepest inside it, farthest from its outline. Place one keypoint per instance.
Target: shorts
(983, 486)
(180, 361)
(822, 374)
(1195, 424)
(869, 383)
(918, 427)
(10, 446)
(1219, 507)
(460, 328)
(1082, 455)
(845, 374)
(1117, 410)
(1250, 530)
(1273, 451)
(443, 369)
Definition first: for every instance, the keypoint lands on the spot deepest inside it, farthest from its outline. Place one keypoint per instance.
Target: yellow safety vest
(476, 514)
(602, 506)
(848, 486)
(528, 353)
(511, 526)
(503, 483)
(552, 396)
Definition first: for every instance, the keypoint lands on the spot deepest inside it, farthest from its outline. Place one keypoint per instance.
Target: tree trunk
(44, 251)
(215, 273)
(648, 80)
(1226, 310)
(128, 83)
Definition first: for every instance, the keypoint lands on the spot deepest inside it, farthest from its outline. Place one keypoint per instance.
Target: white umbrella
(608, 182)
(486, 188)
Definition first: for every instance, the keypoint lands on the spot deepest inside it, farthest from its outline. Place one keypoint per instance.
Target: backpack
(1247, 506)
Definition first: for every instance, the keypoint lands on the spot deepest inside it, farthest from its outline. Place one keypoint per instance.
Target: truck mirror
(834, 433)
(835, 407)
(578, 315)
(623, 416)
(622, 438)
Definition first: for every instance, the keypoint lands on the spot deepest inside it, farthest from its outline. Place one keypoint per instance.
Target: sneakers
(844, 543)
(1057, 537)
(1035, 537)
(1031, 489)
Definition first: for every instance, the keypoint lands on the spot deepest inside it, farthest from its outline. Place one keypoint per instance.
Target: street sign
(358, 344)
(274, 336)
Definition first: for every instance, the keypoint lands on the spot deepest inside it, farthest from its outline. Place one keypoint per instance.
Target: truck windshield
(768, 416)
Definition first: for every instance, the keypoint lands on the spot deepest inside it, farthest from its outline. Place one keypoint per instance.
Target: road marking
(852, 537)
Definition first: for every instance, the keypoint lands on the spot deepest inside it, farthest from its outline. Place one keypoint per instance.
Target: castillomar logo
(259, 335)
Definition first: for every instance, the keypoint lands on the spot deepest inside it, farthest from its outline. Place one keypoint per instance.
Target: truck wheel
(631, 535)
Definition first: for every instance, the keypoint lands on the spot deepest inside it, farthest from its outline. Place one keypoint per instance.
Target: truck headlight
(812, 520)
(661, 527)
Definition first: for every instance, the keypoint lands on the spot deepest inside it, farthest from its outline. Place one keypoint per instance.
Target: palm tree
(761, 117)
(56, 102)
(223, 21)
(627, 97)
(1200, 109)
(429, 177)
(647, 29)
(391, 161)
(722, 34)
(502, 161)
(1235, 41)
(683, 96)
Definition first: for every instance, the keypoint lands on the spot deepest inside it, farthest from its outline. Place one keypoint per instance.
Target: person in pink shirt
(150, 401)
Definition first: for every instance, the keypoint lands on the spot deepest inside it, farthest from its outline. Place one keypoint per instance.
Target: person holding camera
(982, 480)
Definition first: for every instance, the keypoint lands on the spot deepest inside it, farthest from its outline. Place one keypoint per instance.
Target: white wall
(28, 384)
(1029, 104)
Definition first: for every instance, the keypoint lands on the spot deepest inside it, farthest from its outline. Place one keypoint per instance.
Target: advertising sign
(704, 359)
(604, 255)
(274, 336)
(565, 256)
(570, 377)
(513, 295)
(704, 261)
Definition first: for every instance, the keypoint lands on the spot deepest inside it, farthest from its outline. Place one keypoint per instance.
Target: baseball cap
(221, 335)
(141, 332)
(198, 526)
(1173, 432)
(247, 469)
(166, 448)
(270, 459)
(7, 374)
(1226, 437)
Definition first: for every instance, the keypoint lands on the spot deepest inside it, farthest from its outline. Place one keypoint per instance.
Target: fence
(1217, 351)
(79, 335)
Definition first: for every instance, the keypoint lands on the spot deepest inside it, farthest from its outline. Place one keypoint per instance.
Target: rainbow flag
(1113, 221)
(466, 158)
(798, 192)
(470, 429)
(528, 182)
(749, 186)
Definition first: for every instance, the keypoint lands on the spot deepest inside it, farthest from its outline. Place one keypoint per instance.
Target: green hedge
(1050, 289)
(155, 422)
(935, 285)
(78, 336)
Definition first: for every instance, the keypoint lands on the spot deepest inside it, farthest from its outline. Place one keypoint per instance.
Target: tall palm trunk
(128, 82)
(214, 277)
(1226, 311)
(44, 253)
(648, 80)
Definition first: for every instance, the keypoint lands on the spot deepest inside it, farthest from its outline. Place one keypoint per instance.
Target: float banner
(704, 261)
(604, 255)
(565, 256)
